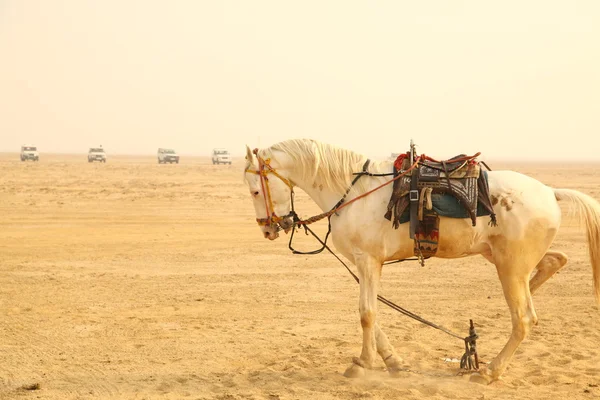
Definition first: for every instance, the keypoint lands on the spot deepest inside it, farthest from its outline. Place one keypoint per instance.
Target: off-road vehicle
(221, 156)
(29, 152)
(167, 156)
(96, 154)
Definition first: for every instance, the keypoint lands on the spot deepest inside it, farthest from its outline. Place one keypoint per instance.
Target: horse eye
(255, 193)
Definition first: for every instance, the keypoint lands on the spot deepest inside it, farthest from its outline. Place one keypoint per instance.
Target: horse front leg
(369, 272)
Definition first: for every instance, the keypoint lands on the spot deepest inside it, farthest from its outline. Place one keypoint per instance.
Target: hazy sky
(509, 79)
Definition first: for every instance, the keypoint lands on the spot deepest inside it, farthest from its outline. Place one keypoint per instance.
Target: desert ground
(133, 280)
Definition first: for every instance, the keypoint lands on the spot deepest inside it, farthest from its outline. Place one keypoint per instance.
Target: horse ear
(248, 154)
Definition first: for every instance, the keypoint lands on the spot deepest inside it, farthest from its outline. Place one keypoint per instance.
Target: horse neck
(324, 197)
(329, 186)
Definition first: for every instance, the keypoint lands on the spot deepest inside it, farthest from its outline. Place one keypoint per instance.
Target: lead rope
(470, 359)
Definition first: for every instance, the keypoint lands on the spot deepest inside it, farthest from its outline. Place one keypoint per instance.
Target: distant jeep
(29, 153)
(221, 156)
(96, 154)
(167, 156)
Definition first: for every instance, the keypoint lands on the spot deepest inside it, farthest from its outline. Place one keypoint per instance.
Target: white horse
(527, 212)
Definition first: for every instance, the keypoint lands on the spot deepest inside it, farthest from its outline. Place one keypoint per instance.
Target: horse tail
(588, 210)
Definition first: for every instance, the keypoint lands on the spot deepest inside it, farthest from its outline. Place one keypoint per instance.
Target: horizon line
(377, 158)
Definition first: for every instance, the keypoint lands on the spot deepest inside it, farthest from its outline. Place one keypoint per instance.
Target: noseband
(264, 168)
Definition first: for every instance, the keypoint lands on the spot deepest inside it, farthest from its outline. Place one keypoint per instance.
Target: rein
(298, 222)
(340, 204)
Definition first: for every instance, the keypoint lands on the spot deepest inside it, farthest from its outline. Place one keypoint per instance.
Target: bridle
(264, 168)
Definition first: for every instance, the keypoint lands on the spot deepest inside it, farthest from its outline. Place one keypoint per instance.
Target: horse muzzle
(273, 224)
(286, 223)
(270, 232)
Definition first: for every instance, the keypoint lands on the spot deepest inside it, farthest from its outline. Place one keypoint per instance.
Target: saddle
(459, 176)
(449, 165)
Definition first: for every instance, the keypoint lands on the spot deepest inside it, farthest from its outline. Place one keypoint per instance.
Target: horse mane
(329, 165)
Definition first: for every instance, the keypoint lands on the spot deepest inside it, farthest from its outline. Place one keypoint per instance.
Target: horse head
(271, 193)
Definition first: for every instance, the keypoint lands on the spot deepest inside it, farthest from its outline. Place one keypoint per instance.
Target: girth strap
(413, 196)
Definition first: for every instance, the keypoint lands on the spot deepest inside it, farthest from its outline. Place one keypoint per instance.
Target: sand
(133, 280)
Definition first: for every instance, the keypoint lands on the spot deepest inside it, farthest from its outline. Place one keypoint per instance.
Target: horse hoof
(355, 371)
(481, 378)
(394, 365)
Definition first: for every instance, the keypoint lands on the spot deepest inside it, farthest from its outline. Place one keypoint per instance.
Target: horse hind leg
(387, 352)
(545, 269)
(515, 285)
(548, 266)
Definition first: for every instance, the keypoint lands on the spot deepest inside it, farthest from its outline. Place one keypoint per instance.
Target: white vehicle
(167, 156)
(221, 156)
(29, 152)
(96, 154)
